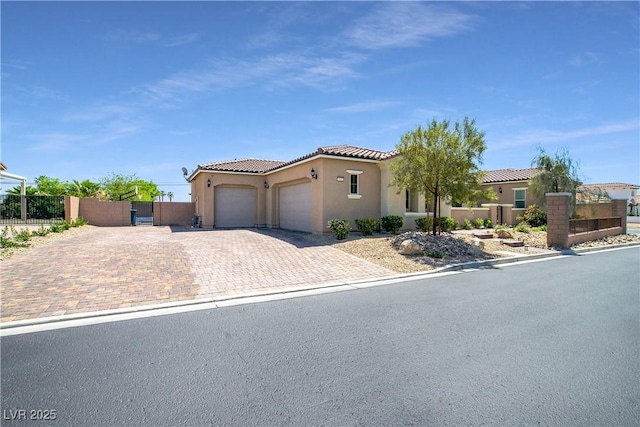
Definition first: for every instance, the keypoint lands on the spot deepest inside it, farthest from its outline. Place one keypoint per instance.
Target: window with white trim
(520, 197)
(354, 184)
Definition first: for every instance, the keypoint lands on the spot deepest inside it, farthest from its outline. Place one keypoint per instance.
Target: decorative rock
(409, 247)
(476, 248)
(504, 234)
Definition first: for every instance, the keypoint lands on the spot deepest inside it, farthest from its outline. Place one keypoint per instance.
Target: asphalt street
(555, 342)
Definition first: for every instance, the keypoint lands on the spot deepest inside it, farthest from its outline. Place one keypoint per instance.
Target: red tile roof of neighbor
(611, 186)
(509, 175)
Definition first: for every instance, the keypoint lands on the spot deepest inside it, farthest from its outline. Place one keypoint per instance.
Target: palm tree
(162, 194)
(170, 195)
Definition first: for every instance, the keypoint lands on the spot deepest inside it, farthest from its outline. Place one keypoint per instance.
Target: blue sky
(145, 88)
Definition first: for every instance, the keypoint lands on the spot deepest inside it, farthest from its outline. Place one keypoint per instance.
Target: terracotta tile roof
(610, 186)
(509, 175)
(243, 165)
(357, 152)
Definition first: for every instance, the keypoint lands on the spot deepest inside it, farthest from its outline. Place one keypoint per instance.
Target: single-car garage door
(235, 207)
(295, 207)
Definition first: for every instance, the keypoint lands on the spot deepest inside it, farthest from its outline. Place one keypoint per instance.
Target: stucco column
(619, 208)
(558, 219)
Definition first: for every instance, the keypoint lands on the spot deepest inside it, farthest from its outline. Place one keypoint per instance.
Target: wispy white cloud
(545, 136)
(584, 59)
(402, 24)
(363, 107)
(52, 142)
(137, 37)
(279, 70)
(33, 93)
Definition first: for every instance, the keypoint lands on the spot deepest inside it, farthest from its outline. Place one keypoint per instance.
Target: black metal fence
(593, 224)
(16, 209)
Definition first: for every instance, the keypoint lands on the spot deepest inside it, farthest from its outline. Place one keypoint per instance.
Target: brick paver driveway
(107, 268)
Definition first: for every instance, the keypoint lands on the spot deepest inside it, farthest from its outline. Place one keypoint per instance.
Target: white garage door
(235, 207)
(295, 207)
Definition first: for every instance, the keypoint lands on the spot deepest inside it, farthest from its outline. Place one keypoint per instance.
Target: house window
(354, 184)
(353, 188)
(520, 197)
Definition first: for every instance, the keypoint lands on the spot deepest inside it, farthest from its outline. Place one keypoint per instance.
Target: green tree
(47, 186)
(85, 188)
(558, 174)
(116, 185)
(29, 190)
(442, 162)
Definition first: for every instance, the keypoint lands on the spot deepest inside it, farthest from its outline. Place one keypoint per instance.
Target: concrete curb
(353, 285)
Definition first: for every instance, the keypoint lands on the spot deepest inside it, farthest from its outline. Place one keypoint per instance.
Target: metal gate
(144, 212)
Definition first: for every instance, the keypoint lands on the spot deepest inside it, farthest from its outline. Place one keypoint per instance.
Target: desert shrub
(466, 225)
(367, 226)
(479, 223)
(534, 216)
(435, 254)
(78, 222)
(488, 223)
(541, 228)
(7, 242)
(424, 224)
(23, 235)
(447, 223)
(340, 227)
(40, 231)
(59, 226)
(391, 223)
(501, 227)
(522, 227)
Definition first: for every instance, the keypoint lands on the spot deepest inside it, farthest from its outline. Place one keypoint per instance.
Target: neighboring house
(511, 186)
(304, 194)
(612, 190)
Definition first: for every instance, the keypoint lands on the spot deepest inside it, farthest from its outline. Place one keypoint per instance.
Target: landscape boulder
(409, 247)
(504, 234)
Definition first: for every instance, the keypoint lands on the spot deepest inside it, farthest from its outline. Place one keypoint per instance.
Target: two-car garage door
(235, 207)
(295, 207)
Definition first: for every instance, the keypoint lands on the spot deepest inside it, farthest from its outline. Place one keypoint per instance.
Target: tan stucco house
(304, 194)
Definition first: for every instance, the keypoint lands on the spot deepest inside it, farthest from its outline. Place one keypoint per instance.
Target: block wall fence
(558, 221)
(118, 214)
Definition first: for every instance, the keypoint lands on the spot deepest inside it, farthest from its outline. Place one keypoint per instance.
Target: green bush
(391, 223)
(23, 235)
(467, 225)
(522, 227)
(534, 216)
(78, 222)
(7, 242)
(447, 223)
(501, 227)
(424, 224)
(59, 226)
(340, 227)
(367, 226)
(435, 254)
(541, 228)
(488, 223)
(41, 231)
(479, 223)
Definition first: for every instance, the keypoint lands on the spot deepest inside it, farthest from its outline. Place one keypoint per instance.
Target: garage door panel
(295, 207)
(235, 207)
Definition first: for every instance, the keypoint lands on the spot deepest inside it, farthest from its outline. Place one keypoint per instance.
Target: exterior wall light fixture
(208, 182)
(266, 184)
(500, 190)
(314, 174)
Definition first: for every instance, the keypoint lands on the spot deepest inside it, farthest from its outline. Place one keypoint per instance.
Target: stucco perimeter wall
(173, 213)
(105, 214)
(460, 214)
(574, 239)
(71, 208)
